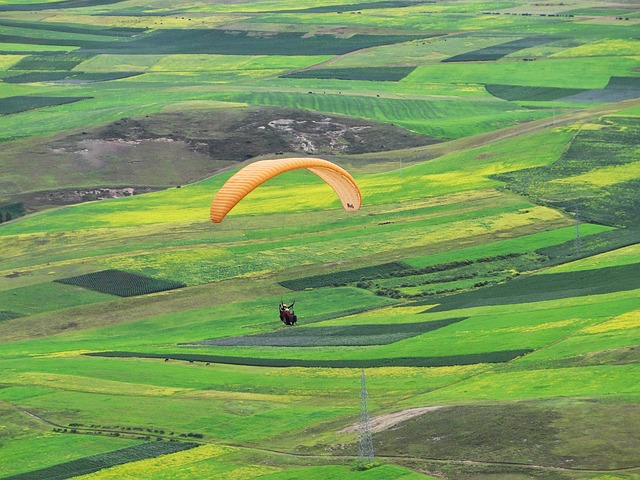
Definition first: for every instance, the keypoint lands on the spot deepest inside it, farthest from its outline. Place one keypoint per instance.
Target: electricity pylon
(365, 442)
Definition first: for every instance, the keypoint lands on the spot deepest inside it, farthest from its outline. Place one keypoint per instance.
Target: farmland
(488, 288)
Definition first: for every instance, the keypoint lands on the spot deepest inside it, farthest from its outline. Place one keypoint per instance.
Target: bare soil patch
(384, 422)
(134, 155)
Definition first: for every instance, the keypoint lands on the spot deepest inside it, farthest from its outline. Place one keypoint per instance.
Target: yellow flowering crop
(150, 467)
(602, 177)
(86, 384)
(626, 321)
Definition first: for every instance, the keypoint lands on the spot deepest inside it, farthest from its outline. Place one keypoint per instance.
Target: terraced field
(488, 288)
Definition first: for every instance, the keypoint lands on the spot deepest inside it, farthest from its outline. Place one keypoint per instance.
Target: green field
(488, 289)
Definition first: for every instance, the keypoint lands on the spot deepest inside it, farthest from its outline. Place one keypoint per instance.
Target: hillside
(488, 289)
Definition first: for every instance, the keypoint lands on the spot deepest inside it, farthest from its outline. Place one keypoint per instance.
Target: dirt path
(384, 422)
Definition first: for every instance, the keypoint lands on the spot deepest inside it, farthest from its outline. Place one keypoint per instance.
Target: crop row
(207, 41)
(443, 361)
(496, 52)
(522, 93)
(236, 42)
(589, 245)
(351, 335)
(52, 62)
(94, 463)
(22, 7)
(353, 7)
(426, 116)
(597, 175)
(120, 283)
(68, 77)
(375, 74)
(344, 277)
(70, 28)
(371, 278)
(538, 288)
(23, 103)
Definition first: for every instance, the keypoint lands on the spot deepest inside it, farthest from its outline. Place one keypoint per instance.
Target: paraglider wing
(255, 174)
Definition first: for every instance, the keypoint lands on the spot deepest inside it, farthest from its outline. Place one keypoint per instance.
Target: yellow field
(90, 385)
(7, 60)
(621, 256)
(605, 47)
(199, 462)
(602, 177)
(626, 321)
(153, 22)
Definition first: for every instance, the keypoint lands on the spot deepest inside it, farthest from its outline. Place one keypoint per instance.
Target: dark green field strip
(393, 270)
(603, 11)
(120, 283)
(617, 90)
(447, 361)
(8, 315)
(72, 28)
(11, 210)
(355, 7)
(25, 103)
(60, 41)
(50, 61)
(233, 42)
(539, 288)
(25, 7)
(223, 42)
(349, 335)
(496, 52)
(589, 245)
(373, 74)
(69, 77)
(341, 278)
(614, 144)
(95, 463)
(514, 93)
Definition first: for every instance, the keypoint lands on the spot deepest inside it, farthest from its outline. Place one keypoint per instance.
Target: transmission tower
(365, 443)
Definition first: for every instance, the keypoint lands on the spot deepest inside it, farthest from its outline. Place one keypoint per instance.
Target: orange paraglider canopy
(255, 174)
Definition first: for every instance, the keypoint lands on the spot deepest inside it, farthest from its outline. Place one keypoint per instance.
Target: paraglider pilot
(287, 315)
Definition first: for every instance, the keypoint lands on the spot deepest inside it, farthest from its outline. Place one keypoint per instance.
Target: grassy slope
(570, 405)
(67, 388)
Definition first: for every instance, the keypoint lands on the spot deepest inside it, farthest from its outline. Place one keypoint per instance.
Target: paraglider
(287, 315)
(255, 174)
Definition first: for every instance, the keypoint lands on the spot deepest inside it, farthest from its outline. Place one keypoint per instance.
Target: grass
(512, 427)
(91, 464)
(438, 118)
(496, 52)
(548, 287)
(598, 163)
(53, 449)
(549, 73)
(37, 298)
(526, 336)
(375, 74)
